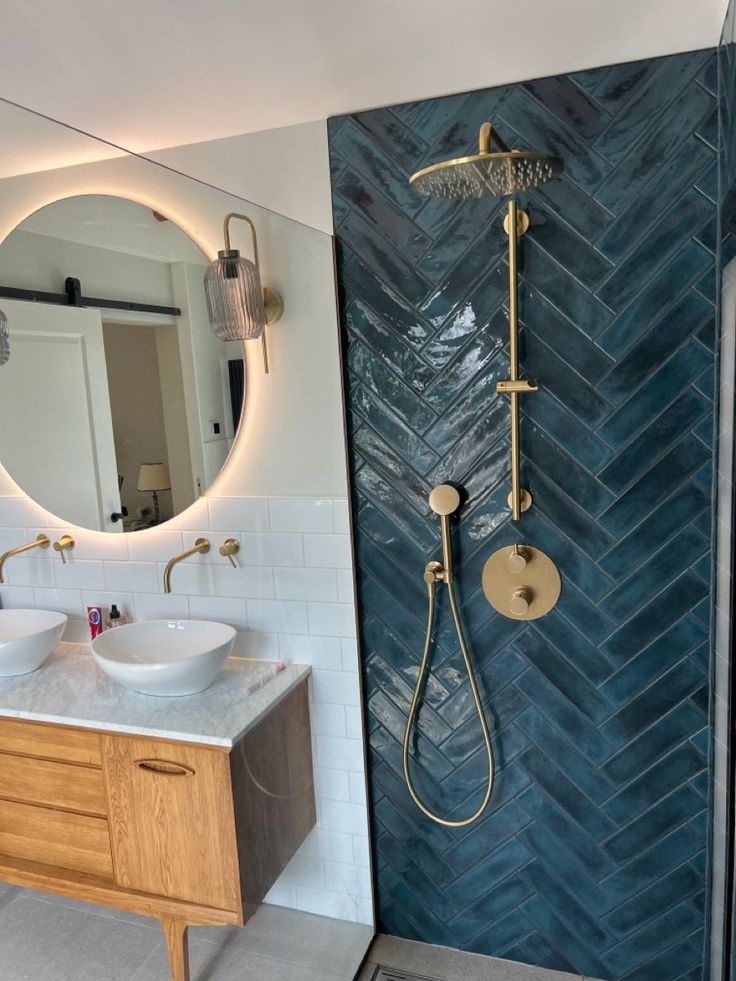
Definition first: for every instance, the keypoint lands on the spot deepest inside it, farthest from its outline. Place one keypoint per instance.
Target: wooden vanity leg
(175, 931)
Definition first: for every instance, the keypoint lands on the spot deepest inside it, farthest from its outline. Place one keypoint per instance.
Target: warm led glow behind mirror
(118, 375)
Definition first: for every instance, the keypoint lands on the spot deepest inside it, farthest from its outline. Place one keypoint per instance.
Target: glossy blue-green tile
(399, 324)
(571, 104)
(562, 243)
(652, 902)
(647, 942)
(559, 466)
(580, 948)
(388, 132)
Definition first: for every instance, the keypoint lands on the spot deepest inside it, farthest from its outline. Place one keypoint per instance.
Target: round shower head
(487, 174)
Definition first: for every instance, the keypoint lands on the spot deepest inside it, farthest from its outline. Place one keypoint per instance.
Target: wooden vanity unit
(189, 830)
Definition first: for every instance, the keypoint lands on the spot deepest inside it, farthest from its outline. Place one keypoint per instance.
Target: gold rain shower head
(487, 174)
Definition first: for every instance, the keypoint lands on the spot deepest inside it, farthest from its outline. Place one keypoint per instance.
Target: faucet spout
(201, 546)
(42, 541)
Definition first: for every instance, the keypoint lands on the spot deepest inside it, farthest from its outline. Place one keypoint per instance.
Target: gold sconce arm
(272, 301)
(41, 541)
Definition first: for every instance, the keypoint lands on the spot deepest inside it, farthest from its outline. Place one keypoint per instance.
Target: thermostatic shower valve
(521, 582)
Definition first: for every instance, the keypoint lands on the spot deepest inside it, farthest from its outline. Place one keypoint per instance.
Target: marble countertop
(71, 690)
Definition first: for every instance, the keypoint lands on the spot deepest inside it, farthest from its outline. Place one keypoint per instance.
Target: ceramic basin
(164, 657)
(27, 637)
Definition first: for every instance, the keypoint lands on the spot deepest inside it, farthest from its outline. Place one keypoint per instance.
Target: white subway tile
(155, 545)
(353, 722)
(364, 911)
(350, 653)
(248, 582)
(196, 516)
(350, 879)
(12, 538)
(335, 687)
(357, 788)
(334, 845)
(98, 597)
(22, 571)
(272, 548)
(224, 610)
(332, 619)
(327, 720)
(277, 616)
(340, 816)
(245, 514)
(324, 903)
(335, 753)
(282, 893)
(16, 597)
(256, 644)
(306, 871)
(67, 601)
(188, 578)
(80, 574)
(139, 577)
(299, 514)
(102, 545)
(345, 586)
(76, 632)
(328, 551)
(320, 652)
(306, 584)
(341, 516)
(331, 784)
(160, 606)
(361, 851)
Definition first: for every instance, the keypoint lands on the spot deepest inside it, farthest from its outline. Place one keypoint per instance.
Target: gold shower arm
(488, 133)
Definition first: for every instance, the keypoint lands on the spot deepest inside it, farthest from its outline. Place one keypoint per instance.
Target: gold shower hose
(434, 573)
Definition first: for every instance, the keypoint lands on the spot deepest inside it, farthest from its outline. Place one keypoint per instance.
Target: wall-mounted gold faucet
(41, 541)
(201, 547)
(64, 544)
(230, 547)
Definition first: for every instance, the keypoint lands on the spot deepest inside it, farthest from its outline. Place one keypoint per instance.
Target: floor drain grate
(390, 974)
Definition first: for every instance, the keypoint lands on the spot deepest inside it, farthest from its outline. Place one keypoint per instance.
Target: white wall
(282, 494)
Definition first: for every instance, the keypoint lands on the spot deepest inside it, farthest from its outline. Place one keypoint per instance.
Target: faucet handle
(64, 543)
(230, 547)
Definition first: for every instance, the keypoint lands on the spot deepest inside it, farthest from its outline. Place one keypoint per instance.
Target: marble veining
(71, 690)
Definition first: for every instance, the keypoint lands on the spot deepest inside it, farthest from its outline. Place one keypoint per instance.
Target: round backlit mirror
(118, 404)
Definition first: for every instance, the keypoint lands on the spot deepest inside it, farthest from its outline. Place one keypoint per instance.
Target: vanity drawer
(63, 785)
(171, 820)
(50, 742)
(68, 841)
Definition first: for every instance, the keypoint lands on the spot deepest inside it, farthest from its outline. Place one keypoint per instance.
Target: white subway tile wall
(291, 597)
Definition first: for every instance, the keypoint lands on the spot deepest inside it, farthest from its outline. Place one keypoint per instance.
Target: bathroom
(366, 491)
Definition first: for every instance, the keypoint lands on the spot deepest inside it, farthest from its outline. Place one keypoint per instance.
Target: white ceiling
(156, 73)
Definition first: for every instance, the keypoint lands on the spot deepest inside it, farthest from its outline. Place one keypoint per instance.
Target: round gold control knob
(433, 571)
(520, 601)
(518, 560)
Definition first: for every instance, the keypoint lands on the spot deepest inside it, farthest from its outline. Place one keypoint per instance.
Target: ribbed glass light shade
(234, 294)
(4, 339)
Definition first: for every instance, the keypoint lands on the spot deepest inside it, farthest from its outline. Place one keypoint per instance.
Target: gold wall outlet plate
(521, 582)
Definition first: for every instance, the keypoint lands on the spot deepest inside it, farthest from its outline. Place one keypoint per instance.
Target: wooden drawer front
(69, 841)
(50, 742)
(35, 781)
(171, 820)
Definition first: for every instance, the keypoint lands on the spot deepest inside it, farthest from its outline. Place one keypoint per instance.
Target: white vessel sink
(164, 657)
(27, 637)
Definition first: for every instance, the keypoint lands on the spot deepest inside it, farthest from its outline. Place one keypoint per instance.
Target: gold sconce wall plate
(521, 582)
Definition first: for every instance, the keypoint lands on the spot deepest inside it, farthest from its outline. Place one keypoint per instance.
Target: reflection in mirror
(122, 405)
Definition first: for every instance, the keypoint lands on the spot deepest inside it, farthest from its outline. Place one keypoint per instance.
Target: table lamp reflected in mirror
(153, 478)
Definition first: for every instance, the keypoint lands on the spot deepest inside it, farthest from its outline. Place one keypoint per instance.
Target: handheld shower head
(487, 174)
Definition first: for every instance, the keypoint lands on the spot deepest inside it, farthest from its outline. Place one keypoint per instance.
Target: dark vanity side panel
(273, 794)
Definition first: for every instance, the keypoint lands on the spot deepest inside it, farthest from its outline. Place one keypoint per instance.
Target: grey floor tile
(46, 942)
(108, 912)
(218, 962)
(445, 964)
(333, 945)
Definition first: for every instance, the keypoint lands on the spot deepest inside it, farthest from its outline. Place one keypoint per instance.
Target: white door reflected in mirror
(97, 401)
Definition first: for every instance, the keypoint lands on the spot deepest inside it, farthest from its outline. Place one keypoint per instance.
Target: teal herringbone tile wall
(592, 856)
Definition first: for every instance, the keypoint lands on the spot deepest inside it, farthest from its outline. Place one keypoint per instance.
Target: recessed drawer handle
(164, 767)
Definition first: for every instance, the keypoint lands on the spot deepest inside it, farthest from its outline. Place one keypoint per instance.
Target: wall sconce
(4, 339)
(152, 478)
(239, 305)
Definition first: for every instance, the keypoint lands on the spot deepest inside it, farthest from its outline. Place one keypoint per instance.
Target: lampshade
(153, 477)
(4, 339)
(234, 294)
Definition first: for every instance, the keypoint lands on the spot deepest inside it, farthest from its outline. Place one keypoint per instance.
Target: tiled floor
(49, 938)
(444, 964)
